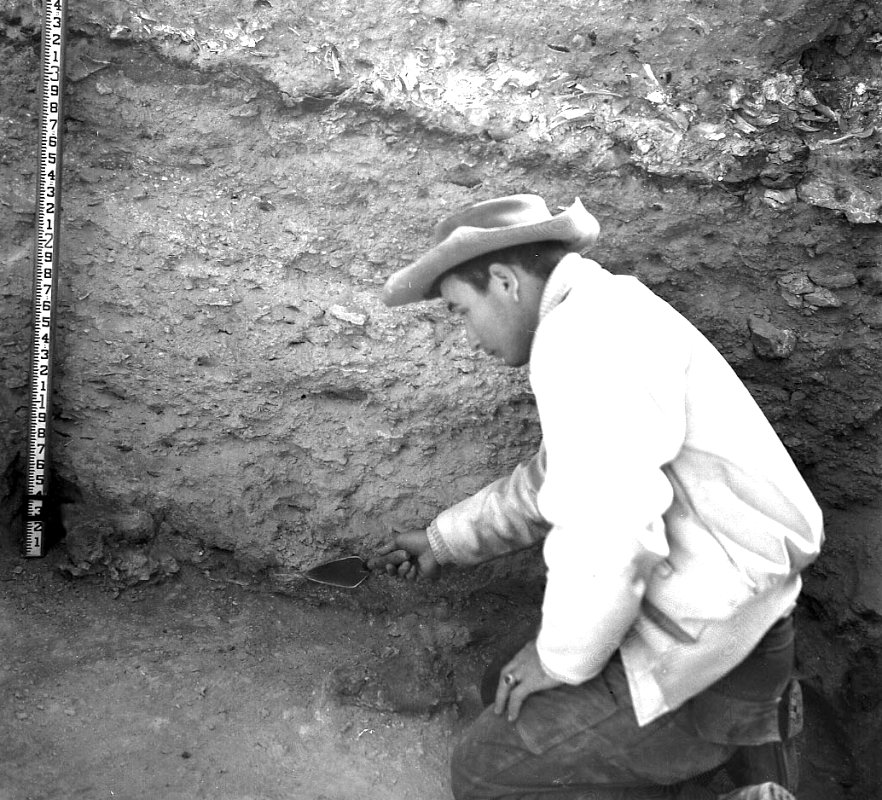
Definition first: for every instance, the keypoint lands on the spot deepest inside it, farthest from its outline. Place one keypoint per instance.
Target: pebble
(823, 298)
(779, 199)
(345, 315)
(796, 283)
(833, 279)
(770, 341)
(500, 133)
(479, 118)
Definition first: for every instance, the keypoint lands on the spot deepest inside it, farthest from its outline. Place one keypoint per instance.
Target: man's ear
(504, 279)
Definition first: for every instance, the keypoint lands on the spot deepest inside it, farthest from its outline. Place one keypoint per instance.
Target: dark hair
(535, 258)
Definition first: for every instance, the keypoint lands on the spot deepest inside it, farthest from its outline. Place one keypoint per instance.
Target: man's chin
(507, 361)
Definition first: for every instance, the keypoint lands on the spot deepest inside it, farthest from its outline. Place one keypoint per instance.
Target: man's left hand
(520, 678)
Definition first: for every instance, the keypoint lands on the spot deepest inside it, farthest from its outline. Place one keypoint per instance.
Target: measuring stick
(46, 248)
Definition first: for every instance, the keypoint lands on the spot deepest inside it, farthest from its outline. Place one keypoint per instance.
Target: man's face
(500, 321)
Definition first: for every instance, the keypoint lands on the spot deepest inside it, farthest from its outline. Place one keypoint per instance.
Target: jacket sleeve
(501, 518)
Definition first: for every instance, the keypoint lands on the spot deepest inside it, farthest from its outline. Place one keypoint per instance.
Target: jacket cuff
(439, 547)
(557, 676)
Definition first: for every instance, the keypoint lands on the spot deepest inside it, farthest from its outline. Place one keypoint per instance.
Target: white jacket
(675, 522)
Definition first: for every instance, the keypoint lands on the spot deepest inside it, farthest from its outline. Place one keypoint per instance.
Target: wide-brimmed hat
(483, 228)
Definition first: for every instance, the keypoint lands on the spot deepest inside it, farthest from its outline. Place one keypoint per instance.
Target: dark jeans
(583, 742)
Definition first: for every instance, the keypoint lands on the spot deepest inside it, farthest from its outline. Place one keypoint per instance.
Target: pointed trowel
(347, 573)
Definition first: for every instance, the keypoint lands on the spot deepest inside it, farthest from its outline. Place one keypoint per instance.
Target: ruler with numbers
(46, 249)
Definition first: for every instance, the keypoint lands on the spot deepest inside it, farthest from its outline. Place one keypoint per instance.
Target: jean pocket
(549, 718)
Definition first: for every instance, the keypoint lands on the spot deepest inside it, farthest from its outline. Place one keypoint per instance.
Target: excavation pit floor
(196, 687)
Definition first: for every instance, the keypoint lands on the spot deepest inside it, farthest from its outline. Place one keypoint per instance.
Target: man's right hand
(408, 556)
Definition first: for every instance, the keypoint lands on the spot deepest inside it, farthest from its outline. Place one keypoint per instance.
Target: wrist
(439, 547)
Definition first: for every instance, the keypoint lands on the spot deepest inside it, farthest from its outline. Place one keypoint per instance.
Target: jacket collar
(571, 271)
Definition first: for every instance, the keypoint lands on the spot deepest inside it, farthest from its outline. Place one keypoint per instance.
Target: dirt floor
(211, 684)
(198, 687)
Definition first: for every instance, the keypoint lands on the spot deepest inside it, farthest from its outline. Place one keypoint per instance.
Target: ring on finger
(510, 680)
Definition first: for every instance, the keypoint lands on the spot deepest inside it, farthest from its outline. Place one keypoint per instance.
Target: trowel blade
(347, 573)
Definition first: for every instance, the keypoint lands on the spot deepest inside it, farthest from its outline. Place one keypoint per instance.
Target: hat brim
(573, 226)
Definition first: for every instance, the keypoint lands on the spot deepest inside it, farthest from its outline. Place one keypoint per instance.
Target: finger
(410, 539)
(397, 557)
(394, 557)
(397, 570)
(515, 700)
(503, 689)
(382, 556)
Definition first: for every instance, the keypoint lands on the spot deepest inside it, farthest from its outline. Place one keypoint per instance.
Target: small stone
(500, 133)
(345, 315)
(792, 300)
(860, 204)
(822, 298)
(796, 283)
(464, 175)
(873, 319)
(245, 112)
(479, 118)
(779, 199)
(832, 278)
(770, 341)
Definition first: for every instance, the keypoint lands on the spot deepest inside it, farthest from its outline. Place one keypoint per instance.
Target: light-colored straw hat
(483, 228)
